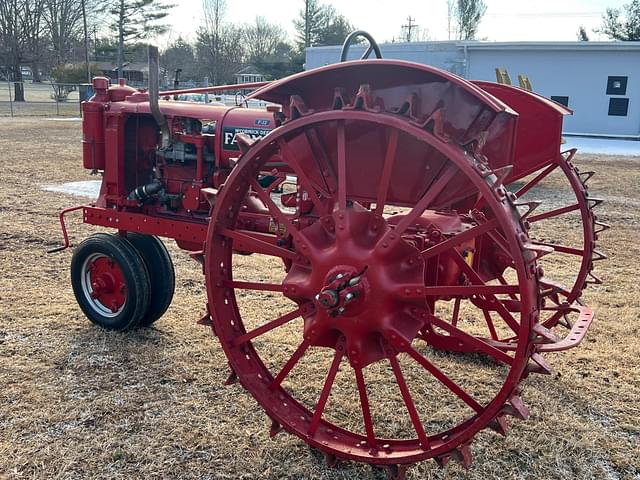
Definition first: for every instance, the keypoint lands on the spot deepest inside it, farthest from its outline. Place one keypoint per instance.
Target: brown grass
(79, 402)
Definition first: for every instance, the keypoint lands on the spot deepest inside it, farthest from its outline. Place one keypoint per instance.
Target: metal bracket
(63, 226)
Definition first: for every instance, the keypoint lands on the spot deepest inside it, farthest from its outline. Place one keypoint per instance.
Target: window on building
(560, 99)
(616, 85)
(618, 107)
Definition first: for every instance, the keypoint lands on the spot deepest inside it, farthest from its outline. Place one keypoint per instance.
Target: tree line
(54, 37)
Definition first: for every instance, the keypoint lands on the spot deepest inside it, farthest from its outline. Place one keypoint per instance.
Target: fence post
(57, 105)
(10, 101)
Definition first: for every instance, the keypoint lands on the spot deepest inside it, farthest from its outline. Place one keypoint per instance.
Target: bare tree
(213, 13)
(63, 19)
(262, 39)
(451, 16)
(21, 37)
(219, 46)
(468, 16)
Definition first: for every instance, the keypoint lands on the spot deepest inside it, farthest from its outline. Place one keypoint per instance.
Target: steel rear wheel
(569, 267)
(110, 282)
(360, 278)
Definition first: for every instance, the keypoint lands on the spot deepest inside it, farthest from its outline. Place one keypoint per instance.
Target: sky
(505, 20)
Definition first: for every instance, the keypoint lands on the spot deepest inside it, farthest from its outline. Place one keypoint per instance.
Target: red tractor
(390, 201)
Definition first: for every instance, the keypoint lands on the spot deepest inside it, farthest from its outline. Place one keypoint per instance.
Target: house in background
(599, 81)
(249, 74)
(132, 72)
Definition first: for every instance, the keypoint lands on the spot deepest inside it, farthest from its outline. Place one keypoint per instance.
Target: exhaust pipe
(154, 92)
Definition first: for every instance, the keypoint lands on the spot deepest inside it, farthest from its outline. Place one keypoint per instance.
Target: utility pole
(307, 26)
(86, 42)
(410, 26)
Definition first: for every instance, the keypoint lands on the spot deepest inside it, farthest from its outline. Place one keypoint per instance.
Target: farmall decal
(229, 135)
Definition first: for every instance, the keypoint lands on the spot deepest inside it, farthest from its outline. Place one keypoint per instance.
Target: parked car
(199, 98)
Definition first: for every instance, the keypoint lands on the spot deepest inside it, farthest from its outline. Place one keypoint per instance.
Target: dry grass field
(80, 402)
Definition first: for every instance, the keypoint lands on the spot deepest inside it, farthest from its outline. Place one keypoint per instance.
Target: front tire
(161, 274)
(110, 281)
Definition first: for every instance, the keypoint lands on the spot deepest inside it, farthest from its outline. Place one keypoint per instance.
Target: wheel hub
(354, 285)
(108, 286)
(343, 292)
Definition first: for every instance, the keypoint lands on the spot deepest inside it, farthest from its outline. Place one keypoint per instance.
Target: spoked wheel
(384, 239)
(110, 282)
(563, 232)
(565, 222)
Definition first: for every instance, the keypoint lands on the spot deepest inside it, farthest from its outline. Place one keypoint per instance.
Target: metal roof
(482, 45)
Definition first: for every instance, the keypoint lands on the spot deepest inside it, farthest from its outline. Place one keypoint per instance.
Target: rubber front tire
(161, 274)
(110, 281)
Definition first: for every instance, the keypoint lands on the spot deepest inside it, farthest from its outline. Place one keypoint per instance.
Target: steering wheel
(373, 46)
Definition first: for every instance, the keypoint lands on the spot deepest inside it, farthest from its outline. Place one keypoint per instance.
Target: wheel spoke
(297, 355)
(467, 235)
(456, 311)
(427, 199)
(248, 241)
(366, 410)
(554, 213)
(342, 167)
(475, 279)
(561, 248)
(292, 161)
(276, 213)
(500, 241)
(269, 287)
(324, 164)
(469, 290)
(444, 379)
(503, 281)
(385, 179)
(490, 325)
(471, 341)
(408, 401)
(267, 327)
(326, 391)
(537, 179)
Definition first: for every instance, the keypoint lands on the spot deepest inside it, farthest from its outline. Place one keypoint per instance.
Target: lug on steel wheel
(378, 249)
(565, 224)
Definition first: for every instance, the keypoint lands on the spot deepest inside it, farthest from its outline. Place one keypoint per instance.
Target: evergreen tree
(309, 24)
(469, 14)
(627, 28)
(582, 34)
(135, 20)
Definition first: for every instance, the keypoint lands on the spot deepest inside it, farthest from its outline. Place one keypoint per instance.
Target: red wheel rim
(313, 294)
(104, 285)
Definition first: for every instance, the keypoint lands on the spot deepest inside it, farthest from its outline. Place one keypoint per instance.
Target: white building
(599, 81)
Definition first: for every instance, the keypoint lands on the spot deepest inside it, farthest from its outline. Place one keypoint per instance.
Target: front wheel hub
(355, 283)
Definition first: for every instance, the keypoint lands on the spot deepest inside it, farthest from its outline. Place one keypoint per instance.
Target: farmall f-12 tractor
(387, 203)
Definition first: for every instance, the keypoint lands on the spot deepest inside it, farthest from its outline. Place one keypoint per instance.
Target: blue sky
(505, 20)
